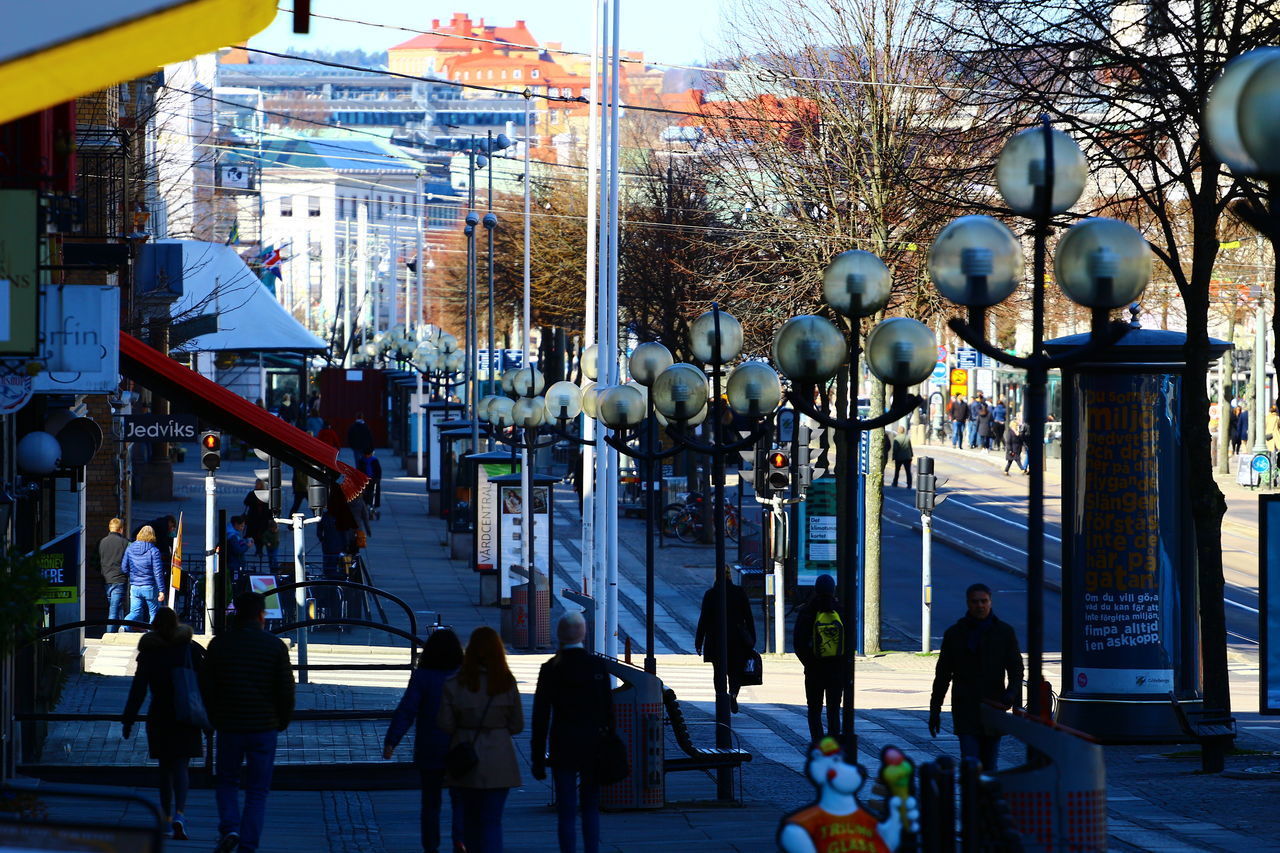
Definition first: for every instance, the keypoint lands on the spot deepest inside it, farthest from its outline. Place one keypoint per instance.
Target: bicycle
(685, 520)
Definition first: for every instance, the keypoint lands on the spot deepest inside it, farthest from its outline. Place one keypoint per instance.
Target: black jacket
(360, 437)
(742, 626)
(802, 632)
(979, 660)
(247, 681)
(157, 659)
(110, 553)
(572, 703)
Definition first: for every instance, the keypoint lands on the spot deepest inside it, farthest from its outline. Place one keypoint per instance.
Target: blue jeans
(982, 747)
(973, 434)
(432, 782)
(117, 593)
(957, 433)
(142, 604)
(482, 818)
(567, 791)
(257, 751)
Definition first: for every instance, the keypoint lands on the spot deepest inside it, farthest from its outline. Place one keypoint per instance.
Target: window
(490, 73)
(533, 73)
(516, 74)
(504, 74)
(286, 205)
(553, 92)
(342, 207)
(377, 208)
(313, 205)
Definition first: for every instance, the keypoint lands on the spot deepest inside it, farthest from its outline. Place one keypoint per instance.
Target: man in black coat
(360, 438)
(572, 703)
(741, 633)
(980, 660)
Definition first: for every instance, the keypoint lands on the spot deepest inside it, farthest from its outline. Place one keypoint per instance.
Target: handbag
(188, 704)
(611, 758)
(462, 757)
(752, 669)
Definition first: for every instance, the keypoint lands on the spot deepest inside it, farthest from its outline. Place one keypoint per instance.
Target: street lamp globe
(680, 391)
(856, 283)
(527, 382)
(1227, 111)
(754, 389)
(454, 361)
(809, 349)
(710, 347)
(482, 407)
(529, 412)
(1020, 171)
(1259, 116)
(563, 401)
(508, 380)
(501, 412)
(589, 364)
(622, 406)
(1102, 263)
(648, 360)
(590, 399)
(448, 343)
(975, 261)
(371, 350)
(697, 418)
(901, 351)
(500, 142)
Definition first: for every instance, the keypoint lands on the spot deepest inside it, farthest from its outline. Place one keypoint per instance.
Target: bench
(1214, 730)
(712, 758)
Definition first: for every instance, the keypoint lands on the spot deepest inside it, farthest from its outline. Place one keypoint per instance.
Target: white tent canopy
(216, 281)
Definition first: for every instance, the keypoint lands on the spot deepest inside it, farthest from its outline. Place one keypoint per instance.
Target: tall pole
(611, 483)
(599, 591)
(490, 225)
(849, 555)
(724, 776)
(926, 579)
(300, 594)
(362, 268)
(650, 512)
(210, 547)
(472, 304)
(1258, 422)
(526, 470)
(588, 464)
(415, 320)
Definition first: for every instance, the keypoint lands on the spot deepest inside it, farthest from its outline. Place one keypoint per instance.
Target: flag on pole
(175, 569)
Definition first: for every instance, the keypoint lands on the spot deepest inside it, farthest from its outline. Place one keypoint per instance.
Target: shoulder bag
(752, 669)
(188, 704)
(462, 757)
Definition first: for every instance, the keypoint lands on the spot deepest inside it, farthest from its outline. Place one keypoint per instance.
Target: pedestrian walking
(329, 436)
(1014, 447)
(271, 544)
(248, 689)
(110, 552)
(1272, 434)
(145, 569)
(902, 455)
(999, 418)
(741, 633)
(419, 708)
(166, 647)
(573, 705)
(257, 516)
(818, 639)
(237, 546)
(359, 437)
(977, 406)
(1239, 429)
(372, 468)
(986, 427)
(481, 706)
(959, 413)
(980, 661)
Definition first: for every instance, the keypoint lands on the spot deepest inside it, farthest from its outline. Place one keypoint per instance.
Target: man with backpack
(818, 639)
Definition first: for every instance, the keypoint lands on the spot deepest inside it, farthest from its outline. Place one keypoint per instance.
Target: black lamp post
(810, 350)
(1100, 263)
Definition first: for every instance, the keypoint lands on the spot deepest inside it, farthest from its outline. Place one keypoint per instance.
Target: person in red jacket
(330, 436)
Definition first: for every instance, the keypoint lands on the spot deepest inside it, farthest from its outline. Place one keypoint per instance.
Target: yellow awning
(81, 47)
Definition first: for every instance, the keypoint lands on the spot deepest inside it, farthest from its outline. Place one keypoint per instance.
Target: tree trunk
(871, 514)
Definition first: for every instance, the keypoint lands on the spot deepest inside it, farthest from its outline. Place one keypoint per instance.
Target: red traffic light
(778, 459)
(211, 441)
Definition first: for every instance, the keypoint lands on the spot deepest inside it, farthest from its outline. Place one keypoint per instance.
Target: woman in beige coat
(482, 705)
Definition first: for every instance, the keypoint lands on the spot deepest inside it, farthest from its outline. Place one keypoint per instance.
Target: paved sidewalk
(1157, 800)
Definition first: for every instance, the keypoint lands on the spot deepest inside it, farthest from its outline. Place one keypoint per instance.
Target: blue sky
(678, 31)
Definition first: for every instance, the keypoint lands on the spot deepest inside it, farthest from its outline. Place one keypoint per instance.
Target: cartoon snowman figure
(836, 822)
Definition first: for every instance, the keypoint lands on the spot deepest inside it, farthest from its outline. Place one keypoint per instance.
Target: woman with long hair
(419, 707)
(145, 569)
(166, 647)
(481, 705)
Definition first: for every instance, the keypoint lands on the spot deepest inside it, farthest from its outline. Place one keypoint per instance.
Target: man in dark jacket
(977, 410)
(959, 417)
(818, 639)
(741, 633)
(980, 660)
(247, 684)
(902, 455)
(360, 437)
(110, 552)
(574, 705)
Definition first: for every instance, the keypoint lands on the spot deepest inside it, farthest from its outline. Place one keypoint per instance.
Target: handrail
(413, 620)
(46, 633)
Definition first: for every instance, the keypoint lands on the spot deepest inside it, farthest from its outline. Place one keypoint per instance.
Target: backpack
(828, 635)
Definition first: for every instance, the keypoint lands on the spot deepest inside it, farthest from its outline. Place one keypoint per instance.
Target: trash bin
(520, 614)
(637, 715)
(1060, 803)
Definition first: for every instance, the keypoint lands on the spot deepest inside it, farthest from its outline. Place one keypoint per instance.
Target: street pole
(1257, 424)
(926, 581)
(606, 630)
(526, 470)
(587, 469)
(611, 484)
(780, 523)
(362, 268)
(490, 225)
(422, 427)
(210, 547)
(420, 263)
(300, 595)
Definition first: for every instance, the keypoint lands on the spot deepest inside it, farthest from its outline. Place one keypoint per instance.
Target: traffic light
(779, 477)
(211, 450)
(271, 495)
(926, 485)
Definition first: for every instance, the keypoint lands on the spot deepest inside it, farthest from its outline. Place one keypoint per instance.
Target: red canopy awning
(233, 413)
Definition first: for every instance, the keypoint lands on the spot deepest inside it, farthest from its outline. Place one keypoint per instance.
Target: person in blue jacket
(441, 657)
(145, 570)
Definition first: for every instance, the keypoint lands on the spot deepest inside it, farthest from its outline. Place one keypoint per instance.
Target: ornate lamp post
(1102, 264)
(617, 410)
(810, 350)
(680, 394)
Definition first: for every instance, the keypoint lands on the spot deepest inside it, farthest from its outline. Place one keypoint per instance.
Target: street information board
(1269, 602)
